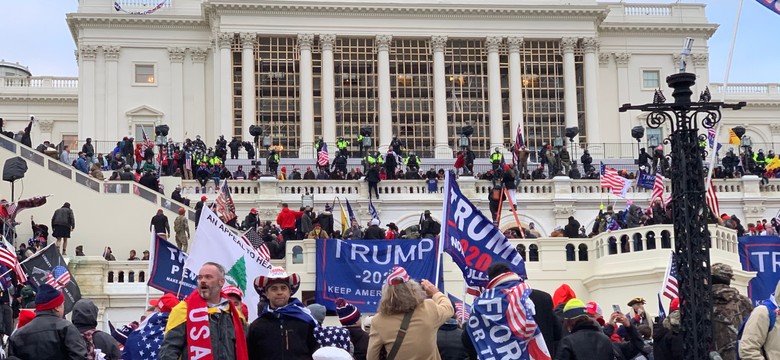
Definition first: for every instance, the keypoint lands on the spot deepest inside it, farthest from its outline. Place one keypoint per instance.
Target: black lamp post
(692, 253)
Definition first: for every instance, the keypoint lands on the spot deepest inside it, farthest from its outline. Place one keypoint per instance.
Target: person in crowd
(448, 341)
(572, 229)
(89, 151)
(667, 336)
(145, 255)
(730, 309)
(373, 179)
(48, 336)
(182, 228)
(637, 315)
(585, 336)
(760, 341)
(62, 223)
(273, 162)
(545, 318)
(84, 317)
(295, 174)
(239, 174)
(251, 220)
(108, 254)
(235, 295)
(561, 296)
(374, 232)
(325, 218)
(404, 305)
(81, 163)
(65, 154)
(159, 225)
(220, 324)
(392, 232)
(327, 336)
(354, 232)
(176, 195)
(79, 250)
(282, 174)
(286, 221)
(309, 174)
(235, 146)
(133, 256)
(284, 329)
(318, 232)
(429, 227)
(350, 319)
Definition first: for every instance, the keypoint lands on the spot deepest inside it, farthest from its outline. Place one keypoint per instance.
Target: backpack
(435, 227)
(771, 308)
(92, 353)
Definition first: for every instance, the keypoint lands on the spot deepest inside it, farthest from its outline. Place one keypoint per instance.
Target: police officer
(412, 162)
(273, 161)
(234, 146)
(730, 162)
(368, 161)
(495, 159)
(340, 163)
(342, 145)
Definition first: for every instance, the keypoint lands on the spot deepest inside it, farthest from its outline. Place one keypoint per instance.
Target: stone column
(591, 47)
(569, 81)
(700, 68)
(225, 120)
(111, 54)
(100, 96)
(306, 151)
(494, 93)
(176, 119)
(195, 95)
(248, 95)
(87, 120)
(443, 150)
(515, 86)
(385, 101)
(623, 90)
(328, 89)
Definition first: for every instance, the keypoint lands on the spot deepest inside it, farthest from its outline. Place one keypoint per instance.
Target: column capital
(676, 60)
(327, 41)
(493, 42)
(88, 52)
(700, 59)
(622, 58)
(176, 55)
(76, 54)
(438, 42)
(568, 44)
(305, 41)
(383, 42)
(198, 55)
(224, 40)
(604, 59)
(248, 39)
(111, 53)
(46, 125)
(515, 43)
(590, 44)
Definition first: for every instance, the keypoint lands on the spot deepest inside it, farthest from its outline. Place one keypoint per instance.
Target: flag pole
(723, 93)
(666, 273)
(463, 304)
(152, 255)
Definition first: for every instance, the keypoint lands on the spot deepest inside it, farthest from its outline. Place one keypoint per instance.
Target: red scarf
(199, 333)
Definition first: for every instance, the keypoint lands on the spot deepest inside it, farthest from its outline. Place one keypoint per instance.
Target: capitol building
(417, 69)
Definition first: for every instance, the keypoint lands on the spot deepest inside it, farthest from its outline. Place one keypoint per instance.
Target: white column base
(443, 152)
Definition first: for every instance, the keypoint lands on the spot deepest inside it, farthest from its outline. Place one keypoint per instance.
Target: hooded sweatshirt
(562, 295)
(85, 318)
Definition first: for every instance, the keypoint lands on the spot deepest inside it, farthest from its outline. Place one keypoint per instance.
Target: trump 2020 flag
(472, 240)
(215, 242)
(48, 267)
(168, 272)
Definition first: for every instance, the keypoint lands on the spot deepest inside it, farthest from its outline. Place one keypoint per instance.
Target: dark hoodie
(85, 318)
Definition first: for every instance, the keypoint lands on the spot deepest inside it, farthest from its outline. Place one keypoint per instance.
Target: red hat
(506, 167)
(253, 211)
(675, 305)
(48, 298)
(166, 303)
(203, 198)
(232, 290)
(25, 316)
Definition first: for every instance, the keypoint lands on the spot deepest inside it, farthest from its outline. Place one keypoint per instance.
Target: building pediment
(144, 110)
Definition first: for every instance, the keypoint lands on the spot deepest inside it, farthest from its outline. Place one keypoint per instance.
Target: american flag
(333, 336)
(144, 343)
(610, 179)
(147, 143)
(253, 238)
(462, 310)
(263, 251)
(372, 210)
(669, 287)
(188, 160)
(519, 142)
(711, 137)
(59, 277)
(322, 156)
(658, 188)
(9, 259)
(226, 209)
(712, 199)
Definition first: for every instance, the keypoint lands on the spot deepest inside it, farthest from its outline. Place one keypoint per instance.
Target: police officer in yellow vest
(342, 145)
(368, 161)
(495, 159)
(360, 144)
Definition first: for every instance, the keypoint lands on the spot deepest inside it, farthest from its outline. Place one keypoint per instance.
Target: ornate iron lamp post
(689, 207)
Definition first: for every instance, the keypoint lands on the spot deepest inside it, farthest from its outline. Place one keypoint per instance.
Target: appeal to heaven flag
(215, 242)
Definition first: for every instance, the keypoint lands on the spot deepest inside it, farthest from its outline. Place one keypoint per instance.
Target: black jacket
(274, 337)
(325, 219)
(47, 337)
(374, 232)
(160, 224)
(448, 340)
(359, 338)
(372, 175)
(85, 318)
(198, 209)
(545, 319)
(586, 341)
(666, 344)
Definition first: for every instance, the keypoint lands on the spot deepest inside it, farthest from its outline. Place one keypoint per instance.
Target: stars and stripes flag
(519, 142)
(322, 155)
(58, 278)
(669, 287)
(711, 137)
(146, 143)
(253, 237)
(188, 160)
(661, 310)
(658, 188)
(226, 209)
(372, 210)
(335, 336)
(712, 199)
(773, 5)
(462, 310)
(145, 342)
(610, 179)
(9, 259)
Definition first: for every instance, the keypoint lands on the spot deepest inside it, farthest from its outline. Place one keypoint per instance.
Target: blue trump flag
(168, 272)
(472, 240)
(646, 180)
(759, 253)
(356, 269)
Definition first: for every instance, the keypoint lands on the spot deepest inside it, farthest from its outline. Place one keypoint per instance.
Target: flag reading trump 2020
(760, 254)
(48, 267)
(356, 269)
(168, 272)
(472, 240)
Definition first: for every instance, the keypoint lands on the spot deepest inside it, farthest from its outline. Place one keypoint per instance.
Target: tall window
(412, 92)
(237, 71)
(356, 87)
(467, 99)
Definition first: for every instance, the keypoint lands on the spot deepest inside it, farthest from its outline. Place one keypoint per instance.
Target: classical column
(111, 54)
(176, 119)
(248, 95)
(195, 94)
(569, 82)
(591, 47)
(515, 86)
(443, 150)
(225, 120)
(306, 151)
(328, 89)
(385, 101)
(86, 122)
(700, 68)
(494, 93)
(100, 96)
(623, 91)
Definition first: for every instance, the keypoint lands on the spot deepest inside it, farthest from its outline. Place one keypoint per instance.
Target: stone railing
(647, 10)
(751, 92)
(44, 82)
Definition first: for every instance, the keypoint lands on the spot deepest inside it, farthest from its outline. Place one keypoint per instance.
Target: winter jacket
(585, 338)
(265, 339)
(372, 175)
(545, 318)
(84, 317)
(572, 229)
(64, 217)
(730, 309)
(325, 219)
(448, 340)
(374, 232)
(667, 339)
(562, 294)
(359, 338)
(286, 218)
(223, 337)
(420, 340)
(757, 341)
(47, 337)
(353, 234)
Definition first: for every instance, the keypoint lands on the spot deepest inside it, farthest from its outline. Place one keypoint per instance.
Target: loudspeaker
(14, 169)
(637, 132)
(739, 131)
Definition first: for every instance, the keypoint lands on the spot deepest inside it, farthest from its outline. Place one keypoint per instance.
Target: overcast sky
(37, 36)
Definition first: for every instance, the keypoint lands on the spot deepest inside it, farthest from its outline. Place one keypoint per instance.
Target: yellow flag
(733, 138)
(344, 224)
(773, 163)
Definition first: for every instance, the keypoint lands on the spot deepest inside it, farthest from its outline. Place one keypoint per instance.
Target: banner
(759, 254)
(168, 272)
(472, 240)
(215, 242)
(356, 269)
(48, 267)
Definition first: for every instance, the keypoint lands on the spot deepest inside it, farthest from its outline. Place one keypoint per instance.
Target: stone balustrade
(44, 82)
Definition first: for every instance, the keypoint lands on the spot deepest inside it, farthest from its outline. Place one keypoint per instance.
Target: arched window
(666, 240)
(612, 246)
(570, 252)
(650, 240)
(110, 276)
(297, 252)
(624, 245)
(521, 250)
(142, 276)
(582, 252)
(637, 242)
(533, 253)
